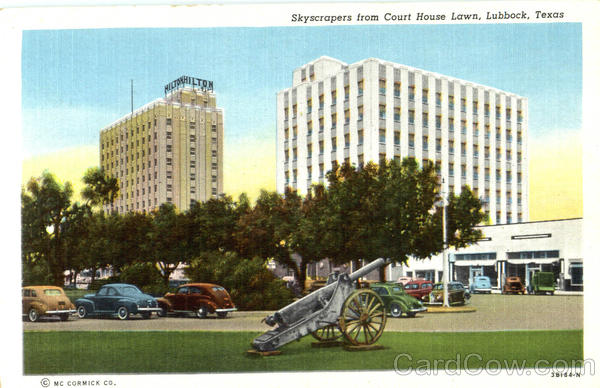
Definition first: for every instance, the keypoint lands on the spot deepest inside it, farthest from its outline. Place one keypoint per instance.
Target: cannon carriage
(337, 310)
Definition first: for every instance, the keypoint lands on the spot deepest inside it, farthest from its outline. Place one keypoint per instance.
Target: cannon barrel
(298, 309)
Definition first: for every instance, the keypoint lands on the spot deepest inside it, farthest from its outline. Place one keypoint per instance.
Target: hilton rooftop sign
(187, 80)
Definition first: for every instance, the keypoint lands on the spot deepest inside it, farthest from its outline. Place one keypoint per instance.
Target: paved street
(494, 312)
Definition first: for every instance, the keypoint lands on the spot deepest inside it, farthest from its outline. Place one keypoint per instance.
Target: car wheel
(33, 315)
(82, 312)
(395, 310)
(162, 312)
(123, 313)
(201, 312)
(64, 317)
(222, 314)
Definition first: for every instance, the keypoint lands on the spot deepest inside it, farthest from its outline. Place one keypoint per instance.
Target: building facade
(170, 150)
(474, 134)
(511, 250)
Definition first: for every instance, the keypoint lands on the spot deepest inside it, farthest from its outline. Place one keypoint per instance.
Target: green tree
(44, 207)
(167, 239)
(265, 230)
(100, 188)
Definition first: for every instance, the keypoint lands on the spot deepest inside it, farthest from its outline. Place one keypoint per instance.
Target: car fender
(207, 302)
(164, 303)
(127, 302)
(90, 306)
(39, 306)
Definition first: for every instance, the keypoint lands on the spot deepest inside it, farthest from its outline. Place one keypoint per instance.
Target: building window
(451, 169)
(347, 116)
(438, 145)
(411, 141)
(333, 97)
(411, 117)
(438, 99)
(425, 96)
(451, 124)
(360, 113)
(396, 114)
(382, 86)
(360, 137)
(309, 105)
(475, 106)
(346, 92)
(451, 102)
(397, 89)
(425, 119)
(486, 109)
(397, 138)
(333, 120)
(382, 136)
(425, 143)
(360, 87)
(347, 140)
(411, 93)
(333, 144)
(382, 112)
(451, 146)
(321, 101)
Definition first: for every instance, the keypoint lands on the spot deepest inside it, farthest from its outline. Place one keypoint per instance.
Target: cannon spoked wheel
(363, 317)
(327, 333)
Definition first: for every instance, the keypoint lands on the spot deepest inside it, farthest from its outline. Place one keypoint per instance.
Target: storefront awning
(534, 261)
(474, 263)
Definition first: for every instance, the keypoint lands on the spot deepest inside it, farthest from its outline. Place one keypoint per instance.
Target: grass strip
(149, 352)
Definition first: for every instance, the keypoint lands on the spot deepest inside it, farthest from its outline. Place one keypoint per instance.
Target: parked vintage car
(419, 288)
(199, 299)
(117, 299)
(397, 301)
(404, 279)
(457, 294)
(513, 285)
(480, 284)
(541, 283)
(41, 301)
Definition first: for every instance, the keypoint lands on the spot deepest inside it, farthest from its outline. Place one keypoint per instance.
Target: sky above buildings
(75, 82)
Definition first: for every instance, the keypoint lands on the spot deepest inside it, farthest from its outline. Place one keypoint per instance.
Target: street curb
(446, 310)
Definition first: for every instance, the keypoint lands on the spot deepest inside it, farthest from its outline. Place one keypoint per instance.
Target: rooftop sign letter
(202, 84)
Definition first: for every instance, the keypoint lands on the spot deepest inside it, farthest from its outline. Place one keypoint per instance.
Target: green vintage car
(396, 300)
(541, 283)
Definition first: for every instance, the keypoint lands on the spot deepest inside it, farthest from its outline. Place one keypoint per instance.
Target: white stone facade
(474, 134)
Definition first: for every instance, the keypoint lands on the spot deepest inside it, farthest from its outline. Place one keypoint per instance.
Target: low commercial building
(511, 250)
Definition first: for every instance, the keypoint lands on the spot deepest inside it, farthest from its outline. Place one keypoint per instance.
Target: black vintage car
(117, 299)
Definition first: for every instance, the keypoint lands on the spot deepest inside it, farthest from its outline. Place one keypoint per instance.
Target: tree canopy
(376, 210)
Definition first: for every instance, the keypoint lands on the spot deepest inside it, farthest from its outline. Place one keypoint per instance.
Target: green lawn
(187, 351)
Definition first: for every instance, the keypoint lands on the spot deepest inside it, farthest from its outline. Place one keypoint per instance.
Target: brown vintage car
(199, 299)
(513, 285)
(46, 301)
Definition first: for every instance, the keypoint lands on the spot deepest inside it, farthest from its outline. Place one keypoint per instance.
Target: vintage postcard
(285, 194)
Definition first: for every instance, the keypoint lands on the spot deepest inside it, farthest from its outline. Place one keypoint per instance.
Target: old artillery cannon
(336, 310)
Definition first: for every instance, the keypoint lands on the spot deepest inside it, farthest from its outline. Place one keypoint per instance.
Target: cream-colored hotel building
(170, 150)
(336, 112)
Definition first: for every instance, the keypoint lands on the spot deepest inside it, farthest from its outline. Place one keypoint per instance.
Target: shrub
(251, 285)
(145, 276)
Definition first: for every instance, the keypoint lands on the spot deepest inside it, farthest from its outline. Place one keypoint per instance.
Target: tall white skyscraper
(475, 135)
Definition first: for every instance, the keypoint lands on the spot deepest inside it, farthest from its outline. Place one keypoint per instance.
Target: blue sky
(78, 81)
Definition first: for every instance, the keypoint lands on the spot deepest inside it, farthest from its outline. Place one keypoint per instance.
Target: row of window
(411, 97)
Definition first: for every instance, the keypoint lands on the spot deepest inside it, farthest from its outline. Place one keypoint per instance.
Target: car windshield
(398, 290)
(218, 289)
(438, 286)
(52, 292)
(130, 290)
